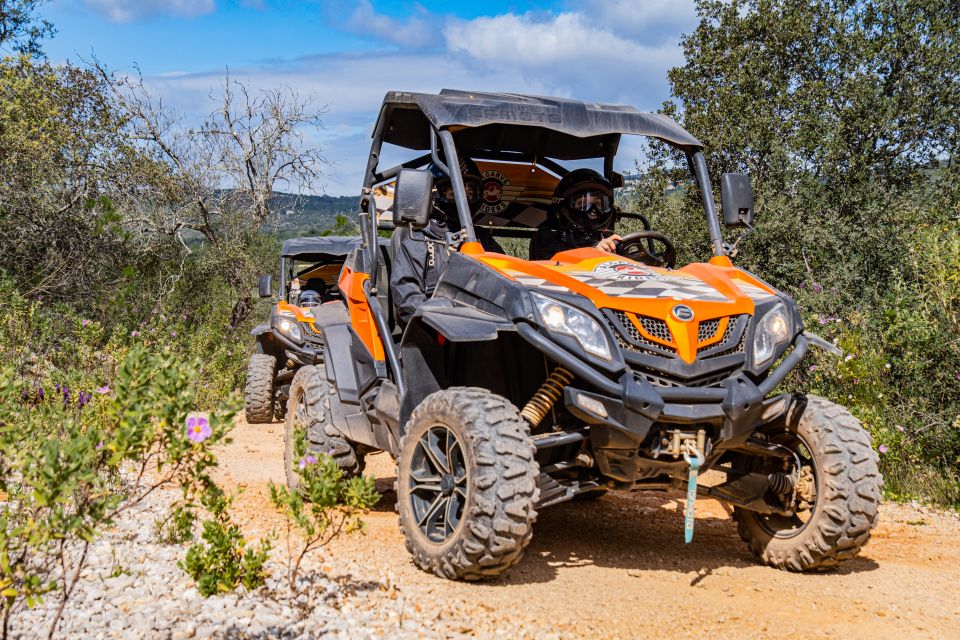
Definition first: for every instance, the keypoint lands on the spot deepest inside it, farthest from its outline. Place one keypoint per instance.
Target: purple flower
(306, 460)
(198, 428)
(25, 394)
(173, 334)
(134, 334)
(100, 445)
(813, 367)
(40, 393)
(84, 322)
(882, 448)
(83, 399)
(103, 390)
(822, 320)
(957, 376)
(817, 287)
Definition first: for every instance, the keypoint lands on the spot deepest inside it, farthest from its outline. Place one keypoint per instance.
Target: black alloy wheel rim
(783, 526)
(438, 484)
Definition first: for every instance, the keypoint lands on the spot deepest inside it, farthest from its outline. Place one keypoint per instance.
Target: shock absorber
(545, 397)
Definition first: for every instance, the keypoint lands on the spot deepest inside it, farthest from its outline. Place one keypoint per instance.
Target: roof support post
(456, 180)
(698, 166)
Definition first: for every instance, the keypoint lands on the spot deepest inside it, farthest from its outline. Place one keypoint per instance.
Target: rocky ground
(615, 568)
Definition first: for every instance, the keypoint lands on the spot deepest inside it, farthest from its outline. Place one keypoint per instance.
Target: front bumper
(631, 405)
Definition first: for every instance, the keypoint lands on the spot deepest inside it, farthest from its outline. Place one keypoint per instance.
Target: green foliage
(223, 560)
(72, 459)
(323, 505)
(20, 30)
(845, 116)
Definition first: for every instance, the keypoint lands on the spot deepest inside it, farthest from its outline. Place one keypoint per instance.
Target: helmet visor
(470, 184)
(589, 201)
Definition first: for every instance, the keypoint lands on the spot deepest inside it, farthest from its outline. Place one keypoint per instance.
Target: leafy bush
(71, 460)
(223, 560)
(324, 504)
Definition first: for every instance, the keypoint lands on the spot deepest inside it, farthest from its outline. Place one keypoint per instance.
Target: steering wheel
(639, 246)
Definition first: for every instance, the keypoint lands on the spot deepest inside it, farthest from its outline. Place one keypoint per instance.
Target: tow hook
(694, 458)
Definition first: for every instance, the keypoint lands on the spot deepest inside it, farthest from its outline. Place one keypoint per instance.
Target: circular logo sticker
(683, 313)
(493, 184)
(623, 271)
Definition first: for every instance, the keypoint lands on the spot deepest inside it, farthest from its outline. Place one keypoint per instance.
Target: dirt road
(618, 568)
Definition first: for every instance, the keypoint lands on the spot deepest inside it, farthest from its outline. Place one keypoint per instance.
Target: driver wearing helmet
(582, 216)
(420, 255)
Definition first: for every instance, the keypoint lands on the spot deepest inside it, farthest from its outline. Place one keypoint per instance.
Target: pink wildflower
(198, 428)
(882, 448)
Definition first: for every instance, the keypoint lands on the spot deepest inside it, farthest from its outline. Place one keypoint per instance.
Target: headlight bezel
(563, 319)
(772, 334)
(288, 326)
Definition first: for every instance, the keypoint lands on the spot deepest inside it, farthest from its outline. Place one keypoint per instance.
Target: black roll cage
(369, 225)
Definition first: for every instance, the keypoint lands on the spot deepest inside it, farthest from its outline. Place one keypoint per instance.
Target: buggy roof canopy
(318, 249)
(532, 125)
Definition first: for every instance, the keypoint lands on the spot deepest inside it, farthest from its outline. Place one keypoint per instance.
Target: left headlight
(566, 320)
(290, 328)
(772, 331)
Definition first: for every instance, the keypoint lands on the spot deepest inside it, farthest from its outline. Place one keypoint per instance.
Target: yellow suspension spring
(548, 393)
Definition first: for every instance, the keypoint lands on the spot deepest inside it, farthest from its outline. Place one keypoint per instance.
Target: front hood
(632, 294)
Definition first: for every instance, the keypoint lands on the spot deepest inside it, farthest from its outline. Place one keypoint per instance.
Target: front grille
(662, 379)
(657, 328)
(630, 338)
(731, 342)
(708, 329)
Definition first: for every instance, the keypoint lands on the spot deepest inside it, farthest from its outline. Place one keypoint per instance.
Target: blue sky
(346, 55)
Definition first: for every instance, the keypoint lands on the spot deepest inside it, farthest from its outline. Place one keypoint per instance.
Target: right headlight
(772, 331)
(563, 319)
(290, 328)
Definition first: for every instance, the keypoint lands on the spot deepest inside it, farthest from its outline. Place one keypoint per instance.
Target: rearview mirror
(266, 286)
(736, 199)
(413, 198)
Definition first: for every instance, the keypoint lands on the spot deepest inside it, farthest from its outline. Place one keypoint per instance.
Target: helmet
(309, 298)
(584, 200)
(472, 182)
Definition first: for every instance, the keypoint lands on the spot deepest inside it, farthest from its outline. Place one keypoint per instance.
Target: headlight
(290, 328)
(772, 331)
(563, 319)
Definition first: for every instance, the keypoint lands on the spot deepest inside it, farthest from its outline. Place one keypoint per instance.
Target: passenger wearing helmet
(420, 255)
(582, 216)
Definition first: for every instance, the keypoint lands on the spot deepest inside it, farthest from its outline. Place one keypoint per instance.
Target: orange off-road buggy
(523, 384)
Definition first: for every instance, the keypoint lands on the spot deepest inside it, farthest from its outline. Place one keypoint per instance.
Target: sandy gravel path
(618, 568)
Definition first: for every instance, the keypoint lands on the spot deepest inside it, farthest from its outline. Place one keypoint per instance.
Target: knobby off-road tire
(309, 410)
(846, 507)
(490, 483)
(258, 393)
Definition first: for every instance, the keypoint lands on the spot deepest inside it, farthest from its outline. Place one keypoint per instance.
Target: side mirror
(266, 286)
(736, 199)
(616, 180)
(413, 198)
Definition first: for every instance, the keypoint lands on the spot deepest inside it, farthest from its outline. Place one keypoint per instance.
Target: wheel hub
(447, 484)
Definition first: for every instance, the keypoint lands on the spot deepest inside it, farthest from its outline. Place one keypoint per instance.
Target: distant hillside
(308, 215)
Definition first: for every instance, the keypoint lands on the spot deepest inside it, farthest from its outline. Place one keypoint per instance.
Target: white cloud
(414, 33)
(650, 20)
(129, 10)
(569, 52)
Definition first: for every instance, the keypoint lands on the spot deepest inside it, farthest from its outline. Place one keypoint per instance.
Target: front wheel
(837, 492)
(309, 416)
(466, 484)
(258, 394)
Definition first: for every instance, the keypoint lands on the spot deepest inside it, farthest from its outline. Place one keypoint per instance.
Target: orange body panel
(361, 319)
(725, 291)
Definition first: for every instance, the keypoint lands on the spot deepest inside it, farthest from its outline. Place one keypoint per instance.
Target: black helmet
(584, 200)
(309, 298)
(472, 183)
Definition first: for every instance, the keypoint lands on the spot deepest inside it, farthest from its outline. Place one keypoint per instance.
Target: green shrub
(222, 560)
(324, 504)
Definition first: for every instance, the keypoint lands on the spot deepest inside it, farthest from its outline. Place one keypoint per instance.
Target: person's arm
(406, 277)
(609, 243)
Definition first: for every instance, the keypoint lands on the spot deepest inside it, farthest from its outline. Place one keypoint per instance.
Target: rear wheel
(309, 413)
(258, 393)
(837, 493)
(466, 484)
